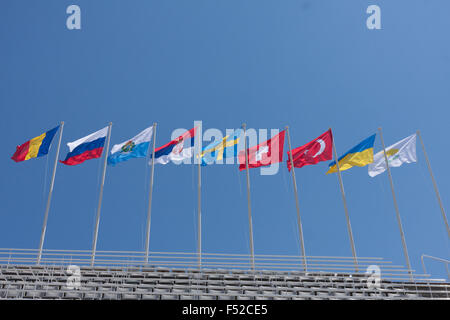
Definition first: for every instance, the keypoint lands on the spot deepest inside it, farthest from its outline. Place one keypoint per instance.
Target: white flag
(401, 152)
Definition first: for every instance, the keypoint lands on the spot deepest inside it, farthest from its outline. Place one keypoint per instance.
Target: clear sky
(307, 64)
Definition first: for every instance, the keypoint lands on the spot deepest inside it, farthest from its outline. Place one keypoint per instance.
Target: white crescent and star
(322, 147)
(321, 150)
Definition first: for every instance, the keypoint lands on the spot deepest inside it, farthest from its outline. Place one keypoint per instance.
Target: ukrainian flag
(35, 147)
(360, 156)
(216, 151)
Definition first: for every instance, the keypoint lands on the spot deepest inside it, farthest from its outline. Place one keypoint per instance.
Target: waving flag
(360, 156)
(217, 150)
(136, 147)
(320, 149)
(35, 147)
(264, 154)
(89, 147)
(176, 150)
(399, 153)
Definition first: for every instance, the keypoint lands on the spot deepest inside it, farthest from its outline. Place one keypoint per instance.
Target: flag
(86, 148)
(401, 152)
(175, 149)
(360, 155)
(225, 148)
(136, 147)
(264, 154)
(35, 147)
(320, 149)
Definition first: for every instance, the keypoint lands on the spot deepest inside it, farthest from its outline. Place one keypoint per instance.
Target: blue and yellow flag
(218, 150)
(360, 156)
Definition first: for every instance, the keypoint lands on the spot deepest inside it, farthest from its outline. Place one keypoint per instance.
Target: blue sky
(307, 64)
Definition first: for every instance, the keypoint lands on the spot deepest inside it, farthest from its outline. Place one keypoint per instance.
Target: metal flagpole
(405, 249)
(47, 208)
(199, 212)
(248, 201)
(105, 151)
(434, 184)
(149, 212)
(349, 227)
(299, 222)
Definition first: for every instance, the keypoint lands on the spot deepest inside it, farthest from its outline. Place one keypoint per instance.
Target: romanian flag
(36, 147)
(360, 156)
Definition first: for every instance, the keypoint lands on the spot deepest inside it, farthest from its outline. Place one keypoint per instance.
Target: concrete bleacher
(28, 281)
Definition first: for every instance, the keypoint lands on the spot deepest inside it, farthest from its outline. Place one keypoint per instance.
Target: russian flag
(89, 147)
(176, 150)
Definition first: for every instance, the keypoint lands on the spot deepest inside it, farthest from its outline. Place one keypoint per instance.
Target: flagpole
(199, 212)
(49, 198)
(299, 222)
(248, 201)
(444, 216)
(105, 151)
(349, 227)
(405, 249)
(150, 193)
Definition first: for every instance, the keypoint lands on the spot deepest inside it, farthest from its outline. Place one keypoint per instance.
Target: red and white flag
(264, 154)
(320, 149)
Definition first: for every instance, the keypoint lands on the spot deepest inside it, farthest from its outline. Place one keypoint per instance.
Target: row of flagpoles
(320, 149)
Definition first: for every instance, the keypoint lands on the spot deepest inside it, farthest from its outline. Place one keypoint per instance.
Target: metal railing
(444, 261)
(191, 261)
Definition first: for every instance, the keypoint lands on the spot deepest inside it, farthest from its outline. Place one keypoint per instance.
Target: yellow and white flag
(401, 152)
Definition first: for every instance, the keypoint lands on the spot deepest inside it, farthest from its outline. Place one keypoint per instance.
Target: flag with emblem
(136, 147)
(397, 154)
(265, 153)
(176, 150)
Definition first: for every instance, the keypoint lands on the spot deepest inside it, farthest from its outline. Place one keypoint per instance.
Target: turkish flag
(320, 149)
(264, 154)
